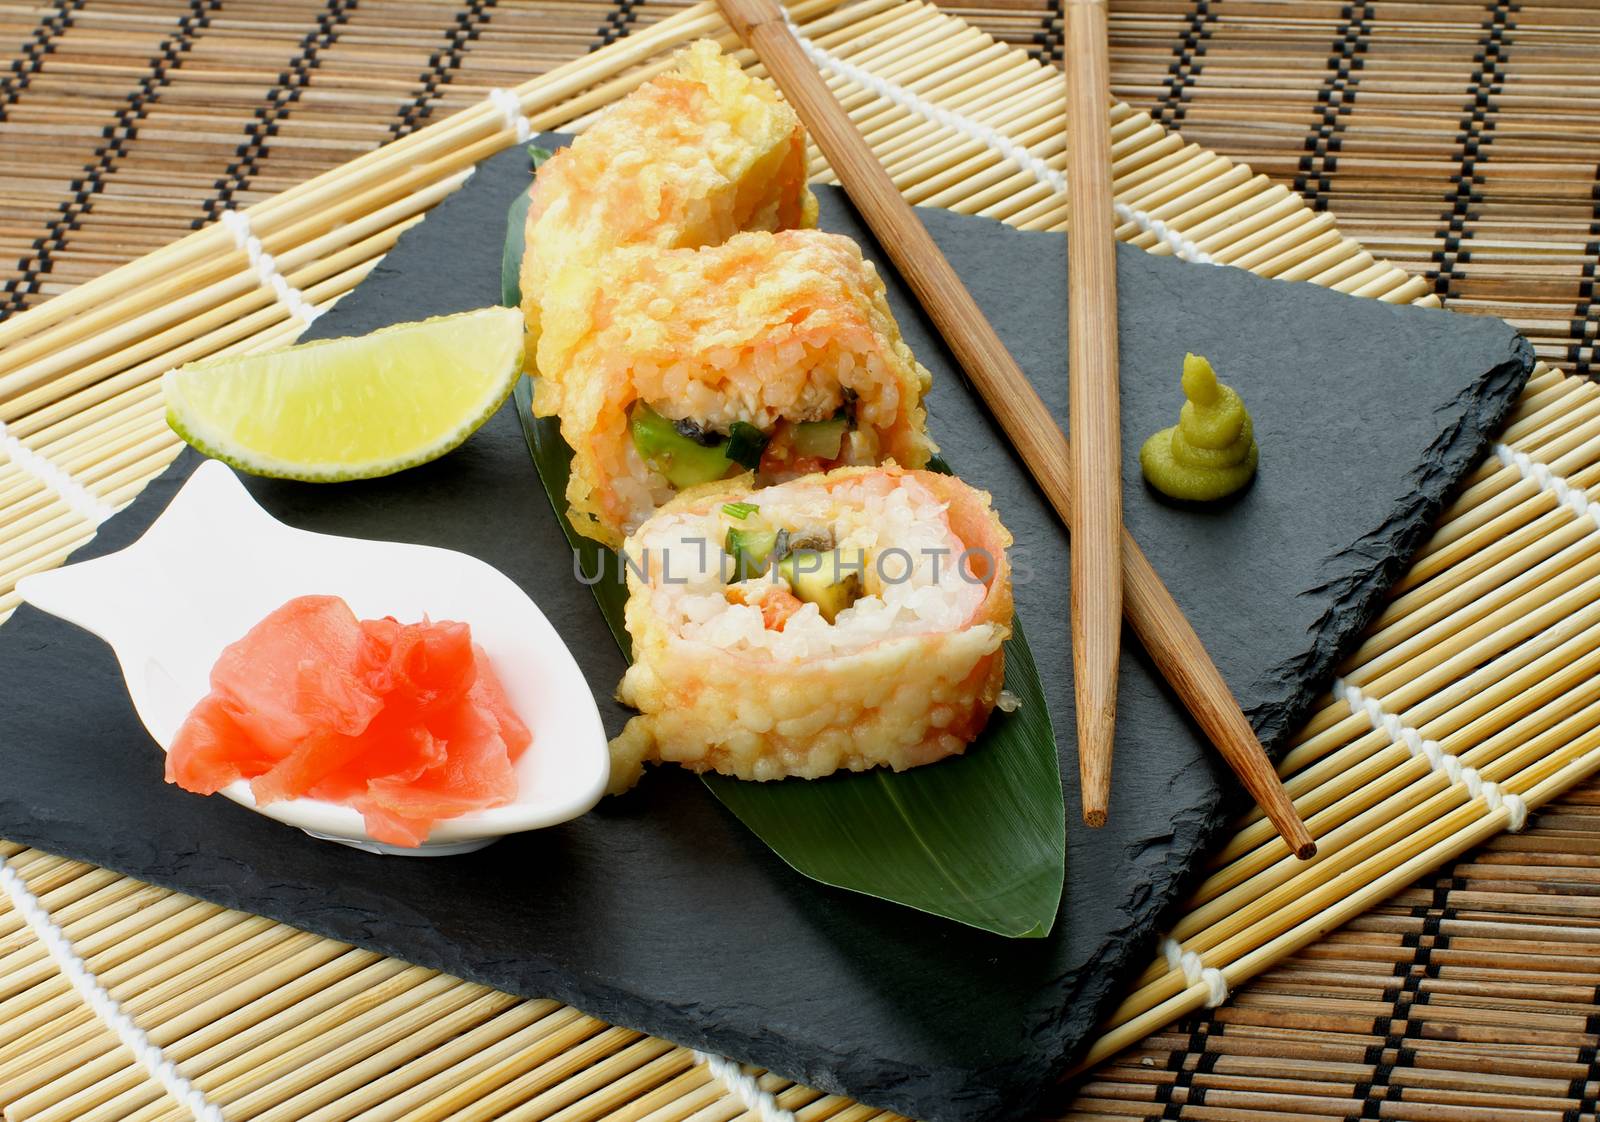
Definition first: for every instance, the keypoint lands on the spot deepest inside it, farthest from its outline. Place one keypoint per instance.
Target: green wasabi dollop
(1211, 452)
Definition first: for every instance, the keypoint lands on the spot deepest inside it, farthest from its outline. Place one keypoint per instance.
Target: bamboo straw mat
(1429, 966)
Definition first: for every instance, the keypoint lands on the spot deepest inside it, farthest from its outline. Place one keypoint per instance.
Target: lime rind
(333, 472)
(496, 333)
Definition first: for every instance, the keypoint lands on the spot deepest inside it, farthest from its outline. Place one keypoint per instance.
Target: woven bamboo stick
(40, 864)
(144, 981)
(21, 539)
(573, 1045)
(1508, 624)
(1455, 834)
(1490, 523)
(1372, 769)
(187, 339)
(1245, 221)
(35, 501)
(122, 946)
(269, 319)
(1531, 579)
(88, 891)
(457, 131)
(453, 1012)
(692, 1092)
(1532, 749)
(1569, 403)
(40, 1061)
(112, 431)
(390, 1097)
(134, 442)
(308, 978)
(251, 1080)
(293, 1002)
(1409, 796)
(1505, 488)
(1355, 825)
(78, 428)
(695, 1093)
(110, 330)
(1548, 559)
(1508, 570)
(109, 918)
(69, 1098)
(576, 1095)
(91, 894)
(42, 994)
(460, 1085)
(1572, 637)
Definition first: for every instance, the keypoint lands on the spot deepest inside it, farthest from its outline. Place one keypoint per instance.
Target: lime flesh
(341, 409)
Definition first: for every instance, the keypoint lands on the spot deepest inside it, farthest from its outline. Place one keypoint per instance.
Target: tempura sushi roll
(771, 352)
(688, 159)
(848, 620)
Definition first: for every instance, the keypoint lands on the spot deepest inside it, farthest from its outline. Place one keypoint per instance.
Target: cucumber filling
(678, 449)
(688, 454)
(808, 564)
(745, 444)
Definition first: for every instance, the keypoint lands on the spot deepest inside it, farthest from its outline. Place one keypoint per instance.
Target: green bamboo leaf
(511, 263)
(979, 839)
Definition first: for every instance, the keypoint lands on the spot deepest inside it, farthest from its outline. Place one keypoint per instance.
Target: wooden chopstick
(1038, 440)
(1093, 406)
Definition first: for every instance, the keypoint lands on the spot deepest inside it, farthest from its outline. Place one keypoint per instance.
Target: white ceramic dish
(214, 564)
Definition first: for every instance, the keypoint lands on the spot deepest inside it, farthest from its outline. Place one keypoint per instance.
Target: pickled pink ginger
(406, 723)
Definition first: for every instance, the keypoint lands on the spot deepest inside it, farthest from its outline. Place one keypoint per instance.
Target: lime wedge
(357, 408)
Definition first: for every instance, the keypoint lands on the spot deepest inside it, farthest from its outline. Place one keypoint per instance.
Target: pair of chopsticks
(1109, 561)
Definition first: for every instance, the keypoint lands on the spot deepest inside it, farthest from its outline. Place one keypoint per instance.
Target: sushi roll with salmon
(772, 353)
(688, 159)
(850, 620)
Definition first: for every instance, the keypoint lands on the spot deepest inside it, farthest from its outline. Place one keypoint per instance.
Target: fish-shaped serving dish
(214, 564)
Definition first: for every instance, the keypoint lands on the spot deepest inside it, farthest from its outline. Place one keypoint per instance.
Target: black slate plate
(658, 911)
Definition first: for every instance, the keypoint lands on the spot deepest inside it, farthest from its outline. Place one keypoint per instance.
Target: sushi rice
(771, 330)
(905, 674)
(688, 159)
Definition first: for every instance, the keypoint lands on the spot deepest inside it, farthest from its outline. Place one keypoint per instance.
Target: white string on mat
(1195, 972)
(991, 138)
(1494, 796)
(266, 268)
(106, 1007)
(510, 107)
(55, 479)
(1573, 498)
(744, 1087)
